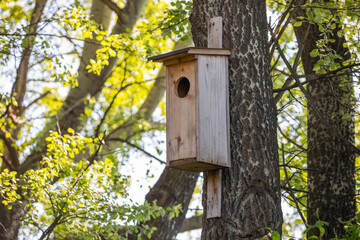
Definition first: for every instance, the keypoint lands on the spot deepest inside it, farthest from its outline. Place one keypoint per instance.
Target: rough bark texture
(191, 223)
(251, 187)
(331, 165)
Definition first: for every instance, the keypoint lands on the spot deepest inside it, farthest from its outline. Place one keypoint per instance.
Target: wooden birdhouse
(197, 112)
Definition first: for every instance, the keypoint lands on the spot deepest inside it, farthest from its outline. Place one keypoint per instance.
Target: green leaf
(314, 53)
(275, 236)
(297, 24)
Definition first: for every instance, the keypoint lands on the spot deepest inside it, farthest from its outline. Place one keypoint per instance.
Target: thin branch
(112, 102)
(191, 223)
(36, 100)
(291, 191)
(290, 140)
(295, 65)
(319, 77)
(6, 231)
(137, 147)
(21, 75)
(311, 103)
(273, 38)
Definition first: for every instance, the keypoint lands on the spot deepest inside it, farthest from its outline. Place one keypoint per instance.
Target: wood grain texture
(189, 51)
(181, 115)
(217, 119)
(215, 30)
(212, 102)
(214, 179)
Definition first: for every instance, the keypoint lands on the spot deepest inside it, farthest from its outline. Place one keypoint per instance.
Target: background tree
(328, 67)
(331, 162)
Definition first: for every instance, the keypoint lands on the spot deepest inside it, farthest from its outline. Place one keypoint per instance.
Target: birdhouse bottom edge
(192, 165)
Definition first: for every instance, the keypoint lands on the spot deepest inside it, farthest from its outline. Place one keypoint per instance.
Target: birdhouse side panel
(181, 124)
(213, 104)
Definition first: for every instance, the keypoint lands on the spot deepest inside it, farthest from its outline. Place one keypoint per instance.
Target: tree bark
(331, 164)
(251, 187)
(191, 223)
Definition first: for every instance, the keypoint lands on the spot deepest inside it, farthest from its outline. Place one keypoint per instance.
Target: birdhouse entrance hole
(182, 87)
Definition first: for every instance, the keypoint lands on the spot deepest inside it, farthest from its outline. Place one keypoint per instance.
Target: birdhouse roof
(187, 54)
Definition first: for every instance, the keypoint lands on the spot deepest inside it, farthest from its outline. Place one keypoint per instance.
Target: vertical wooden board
(181, 124)
(213, 206)
(215, 32)
(213, 110)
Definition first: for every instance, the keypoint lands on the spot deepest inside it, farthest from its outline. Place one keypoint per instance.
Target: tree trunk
(331, 164)
(173, 187)
(251, 187)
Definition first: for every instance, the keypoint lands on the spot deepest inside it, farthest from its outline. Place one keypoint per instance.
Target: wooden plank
(181, 114)
(178, 60)
(189, 51)
(215, 33)
(214, 194)
(214, 177)
(159, 58)
(192, 165)
(210, 51)
(213, 112)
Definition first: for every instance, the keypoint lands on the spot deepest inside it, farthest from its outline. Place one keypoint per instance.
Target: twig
(291, 191)
(287, 138)
(137, 147)
(311, 103)
(6, 231)
(295, 65)
(112, 102)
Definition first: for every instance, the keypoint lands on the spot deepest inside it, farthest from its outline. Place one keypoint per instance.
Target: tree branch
(311, 103)
(191, 223)
(291, 191)
(19, 88)
(11, 152)
(137, 147)
(152, 100)
(113, 6)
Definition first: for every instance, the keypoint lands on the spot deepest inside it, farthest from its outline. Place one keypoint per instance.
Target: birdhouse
(197, 108)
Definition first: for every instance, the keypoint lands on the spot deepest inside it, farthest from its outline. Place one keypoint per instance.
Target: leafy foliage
(77, 189)
(88, 198)
(176, 21)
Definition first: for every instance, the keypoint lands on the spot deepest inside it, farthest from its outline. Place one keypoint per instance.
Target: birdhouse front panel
(181, 116)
